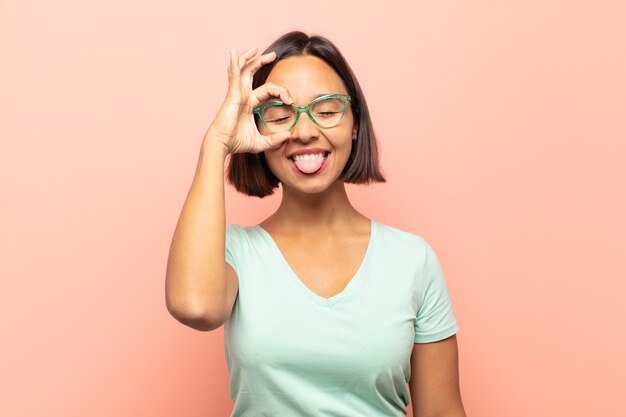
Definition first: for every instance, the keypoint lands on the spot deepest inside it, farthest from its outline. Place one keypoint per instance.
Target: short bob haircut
(249, 172)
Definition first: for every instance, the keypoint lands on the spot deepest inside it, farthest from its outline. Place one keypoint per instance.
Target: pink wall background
(503, 129)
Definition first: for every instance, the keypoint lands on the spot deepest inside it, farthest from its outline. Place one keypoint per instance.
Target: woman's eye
(279, 120)
(327, 113)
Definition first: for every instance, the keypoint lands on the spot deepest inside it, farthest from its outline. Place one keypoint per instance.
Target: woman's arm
(434, 382)
(199, 287)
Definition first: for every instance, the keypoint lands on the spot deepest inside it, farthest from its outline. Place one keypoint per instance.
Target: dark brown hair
(249, 172)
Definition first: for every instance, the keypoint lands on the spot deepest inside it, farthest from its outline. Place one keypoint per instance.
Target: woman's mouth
(309, 164)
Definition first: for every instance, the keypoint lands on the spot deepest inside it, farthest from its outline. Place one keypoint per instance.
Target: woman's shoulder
(397, 236)
(237, 232)
(234, 229)
(241, 228)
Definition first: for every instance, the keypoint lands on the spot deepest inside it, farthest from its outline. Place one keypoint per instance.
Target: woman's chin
(317, 188)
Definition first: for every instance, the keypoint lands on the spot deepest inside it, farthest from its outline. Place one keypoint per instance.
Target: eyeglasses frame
(305, 109)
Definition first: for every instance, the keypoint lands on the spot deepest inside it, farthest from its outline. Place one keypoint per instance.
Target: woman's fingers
(237, 61)
(233, 68)
(246, 63)
(249, 58)
(273, 141)
(250, 53)
(253, 66)
(268, 90)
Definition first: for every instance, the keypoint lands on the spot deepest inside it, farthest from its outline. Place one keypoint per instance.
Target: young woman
(326, 312)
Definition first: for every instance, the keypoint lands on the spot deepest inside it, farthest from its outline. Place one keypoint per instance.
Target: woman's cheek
(273, 162)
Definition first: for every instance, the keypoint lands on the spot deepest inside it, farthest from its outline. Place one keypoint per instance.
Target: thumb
(275, 140)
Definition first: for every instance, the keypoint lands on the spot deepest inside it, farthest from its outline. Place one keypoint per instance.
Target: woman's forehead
(306, 74)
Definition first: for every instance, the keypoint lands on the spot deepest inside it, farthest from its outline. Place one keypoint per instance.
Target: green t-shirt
(291, 352)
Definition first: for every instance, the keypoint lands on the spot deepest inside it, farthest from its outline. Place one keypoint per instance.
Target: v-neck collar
(294, 279)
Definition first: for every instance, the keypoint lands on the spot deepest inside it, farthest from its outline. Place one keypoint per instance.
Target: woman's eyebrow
(322, 94)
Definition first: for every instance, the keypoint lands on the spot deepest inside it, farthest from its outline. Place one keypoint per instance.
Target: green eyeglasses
(325, 111)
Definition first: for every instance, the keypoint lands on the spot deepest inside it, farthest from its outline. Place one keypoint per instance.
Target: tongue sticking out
(309, 166)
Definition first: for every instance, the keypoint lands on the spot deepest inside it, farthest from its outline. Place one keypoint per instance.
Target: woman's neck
(327, 211)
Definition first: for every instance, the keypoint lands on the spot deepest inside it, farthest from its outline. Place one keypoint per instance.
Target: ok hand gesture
(234, 125)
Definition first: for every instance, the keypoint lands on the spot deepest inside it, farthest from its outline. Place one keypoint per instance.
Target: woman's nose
(305, 129)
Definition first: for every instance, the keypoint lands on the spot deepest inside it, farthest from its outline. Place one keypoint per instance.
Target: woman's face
(306, 78)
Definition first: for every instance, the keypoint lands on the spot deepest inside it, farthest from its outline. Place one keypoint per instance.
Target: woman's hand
(234, 125)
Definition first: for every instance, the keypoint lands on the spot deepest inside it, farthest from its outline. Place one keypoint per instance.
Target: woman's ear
(354, 132)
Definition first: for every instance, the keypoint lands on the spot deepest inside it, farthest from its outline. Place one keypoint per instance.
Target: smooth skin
(313, 209)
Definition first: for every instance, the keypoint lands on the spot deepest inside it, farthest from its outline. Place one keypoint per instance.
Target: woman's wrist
(214, 145)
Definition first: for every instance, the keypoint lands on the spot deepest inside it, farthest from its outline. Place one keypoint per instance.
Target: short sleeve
(435, 317)
(233, 233)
